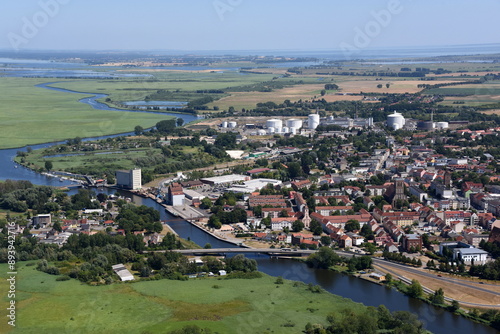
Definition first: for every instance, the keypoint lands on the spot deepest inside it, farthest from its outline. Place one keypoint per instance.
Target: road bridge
(223, 251)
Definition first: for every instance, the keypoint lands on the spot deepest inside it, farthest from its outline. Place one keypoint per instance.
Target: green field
(31, 115)
(128, 154)
(468, 90)
(180, 82)
(119, 159)
(236, 306)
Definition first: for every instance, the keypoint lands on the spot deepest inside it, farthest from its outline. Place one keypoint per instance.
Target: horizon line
(249, 50)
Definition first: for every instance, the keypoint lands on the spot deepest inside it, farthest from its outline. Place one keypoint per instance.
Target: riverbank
(187, 214)
(470, 294)
(222, 305)
(36, 120)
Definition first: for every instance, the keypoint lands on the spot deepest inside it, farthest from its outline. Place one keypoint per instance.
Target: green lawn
(236, 306)
(31, 115)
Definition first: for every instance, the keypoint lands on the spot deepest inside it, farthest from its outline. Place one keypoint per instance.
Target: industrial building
(175, 195)
(225, 179)
(396, 121)
(129, 179)
(313, 121)
(253, 185)
(347, 122)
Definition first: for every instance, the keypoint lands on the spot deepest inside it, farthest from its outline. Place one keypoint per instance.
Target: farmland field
(488, 88)
(44, 305)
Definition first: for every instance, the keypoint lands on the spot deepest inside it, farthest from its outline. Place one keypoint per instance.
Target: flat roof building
(225, 179)
(129, 179)
(123, 272)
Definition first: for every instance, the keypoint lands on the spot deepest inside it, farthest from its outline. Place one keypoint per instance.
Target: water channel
(435, 319)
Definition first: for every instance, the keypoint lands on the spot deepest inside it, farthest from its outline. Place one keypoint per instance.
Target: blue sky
(245, 24)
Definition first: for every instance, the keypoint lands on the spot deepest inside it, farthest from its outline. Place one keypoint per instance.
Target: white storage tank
(284, 130)
(232, 124)
(224, 124)
(313, 121)
(396, 121)
(293, 131)
(294, 123)
(261, 132)
(274, 123)
(442, 125)
(271, 130)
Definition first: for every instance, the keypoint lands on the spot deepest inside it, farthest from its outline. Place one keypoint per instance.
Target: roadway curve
(385, 264)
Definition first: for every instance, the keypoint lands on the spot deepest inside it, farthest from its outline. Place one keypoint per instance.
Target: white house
(278, 224)
(468, 255)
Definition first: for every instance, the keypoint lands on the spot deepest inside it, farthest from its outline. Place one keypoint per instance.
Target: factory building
(396, 121)
(129, 179)
(313, 121)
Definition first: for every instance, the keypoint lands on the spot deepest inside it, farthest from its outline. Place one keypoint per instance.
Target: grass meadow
(31, 115)
(45, 305)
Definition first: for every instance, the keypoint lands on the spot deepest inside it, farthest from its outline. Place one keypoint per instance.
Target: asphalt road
(386, 265)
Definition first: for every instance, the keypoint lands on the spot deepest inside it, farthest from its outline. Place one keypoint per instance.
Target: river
(12, 171)
(435, 319)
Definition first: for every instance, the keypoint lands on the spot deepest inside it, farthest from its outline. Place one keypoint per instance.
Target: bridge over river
(269, 251)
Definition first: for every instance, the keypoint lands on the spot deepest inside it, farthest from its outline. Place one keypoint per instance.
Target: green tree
(179, 121)
(352, 225)
(437, 297)
(57, 227)
(214, 222)
(226, 140)
(165, 126)
(326, 240)
(297, 226)
(48, 165)
(138, 130)
(370, 247)
(206, 203)
(315, 228)
(455, 306)
(324, 258)
(294, 170)
(415, 290)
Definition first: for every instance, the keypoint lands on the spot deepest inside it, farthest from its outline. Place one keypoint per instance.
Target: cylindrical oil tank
(313, 121)
(395, 121)
(224, 124)
(442, 125)
(294, 123)
(261, 132)
(274, 123)
(285, 129)
(232, 124)
(425, 125)
(293, 131)
(271, 130)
